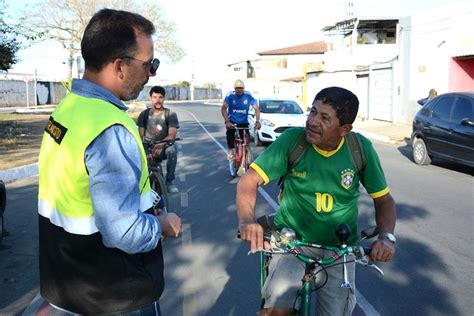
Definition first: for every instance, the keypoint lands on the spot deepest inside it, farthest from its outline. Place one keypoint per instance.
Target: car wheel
(256, 139)
(420, 152)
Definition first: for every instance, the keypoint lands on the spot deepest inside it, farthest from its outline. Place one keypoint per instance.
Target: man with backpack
(158, 123)
(322, 166)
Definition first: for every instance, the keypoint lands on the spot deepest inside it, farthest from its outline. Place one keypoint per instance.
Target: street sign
(26, 78)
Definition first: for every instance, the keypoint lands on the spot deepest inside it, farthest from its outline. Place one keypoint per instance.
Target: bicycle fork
(345, 283)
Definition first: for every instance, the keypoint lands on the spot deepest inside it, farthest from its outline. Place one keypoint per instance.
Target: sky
(215, 33)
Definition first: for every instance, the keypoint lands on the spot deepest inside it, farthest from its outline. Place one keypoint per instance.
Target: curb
(18, 173)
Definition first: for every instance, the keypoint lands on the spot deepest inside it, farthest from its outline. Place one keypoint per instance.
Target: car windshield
(280, 107)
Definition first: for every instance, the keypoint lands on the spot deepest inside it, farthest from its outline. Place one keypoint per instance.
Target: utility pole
(71, 62)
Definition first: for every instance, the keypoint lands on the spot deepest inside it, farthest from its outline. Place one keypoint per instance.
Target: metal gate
(381, 93)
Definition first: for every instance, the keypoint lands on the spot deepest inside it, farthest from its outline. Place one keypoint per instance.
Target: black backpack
(299, 149)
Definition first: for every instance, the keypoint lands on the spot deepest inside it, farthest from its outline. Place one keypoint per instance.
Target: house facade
(389, 62)
(277, 72)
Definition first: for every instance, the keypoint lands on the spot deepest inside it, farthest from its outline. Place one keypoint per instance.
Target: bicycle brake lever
(371, 265)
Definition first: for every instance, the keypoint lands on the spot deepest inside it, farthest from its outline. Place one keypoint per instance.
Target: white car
(276, 115)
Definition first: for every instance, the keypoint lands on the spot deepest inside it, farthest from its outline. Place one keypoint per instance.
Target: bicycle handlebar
(168, 142)
(149, 145)
(285, 242)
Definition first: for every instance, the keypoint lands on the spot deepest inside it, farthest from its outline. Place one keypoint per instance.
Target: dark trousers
(231, 134)
(170, 154)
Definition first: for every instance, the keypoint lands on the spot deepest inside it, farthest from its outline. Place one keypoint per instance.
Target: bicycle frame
(293, 246)
(155, 174)
(240, 164)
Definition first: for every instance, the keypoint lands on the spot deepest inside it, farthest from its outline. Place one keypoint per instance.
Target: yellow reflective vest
(63, 180)
(77, 271)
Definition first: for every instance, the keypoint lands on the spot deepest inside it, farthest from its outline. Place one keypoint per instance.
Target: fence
(17, 93)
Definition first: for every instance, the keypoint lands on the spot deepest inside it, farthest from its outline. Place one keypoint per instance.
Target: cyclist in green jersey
(321, 192)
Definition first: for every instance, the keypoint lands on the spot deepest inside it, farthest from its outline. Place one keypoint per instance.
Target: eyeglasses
(153, 64)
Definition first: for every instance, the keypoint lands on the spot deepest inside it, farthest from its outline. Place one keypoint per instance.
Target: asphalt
(375, 130)
(378, 131)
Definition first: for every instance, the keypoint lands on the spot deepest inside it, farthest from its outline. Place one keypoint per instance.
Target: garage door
(380, 94)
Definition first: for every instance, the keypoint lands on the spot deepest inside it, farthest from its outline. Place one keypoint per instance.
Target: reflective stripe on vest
(84, 225)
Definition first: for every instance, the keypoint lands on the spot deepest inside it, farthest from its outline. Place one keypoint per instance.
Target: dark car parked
(444, 128)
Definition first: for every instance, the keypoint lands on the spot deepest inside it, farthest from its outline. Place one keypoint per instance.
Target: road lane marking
(368, 309)
(190, 301)
(184, 199)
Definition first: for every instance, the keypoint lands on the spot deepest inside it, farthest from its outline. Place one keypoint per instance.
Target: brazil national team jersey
(322, 189)
(239, 106)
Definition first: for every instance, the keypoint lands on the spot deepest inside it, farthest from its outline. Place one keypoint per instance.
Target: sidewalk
(383, 131)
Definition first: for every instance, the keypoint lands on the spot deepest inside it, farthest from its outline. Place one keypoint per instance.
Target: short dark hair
(343, 101)
(158, 89)
(111, 34)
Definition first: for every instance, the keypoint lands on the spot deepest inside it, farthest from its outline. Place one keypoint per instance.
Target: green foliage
(182, 84)
(12, 37)
(9, 45)
(64, 21)
(209, 85)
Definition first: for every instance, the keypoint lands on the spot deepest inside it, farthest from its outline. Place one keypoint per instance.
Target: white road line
(368, 309)
(190, 301)
(182, 172)
(186, 239)
(184, 199)
(207, 132)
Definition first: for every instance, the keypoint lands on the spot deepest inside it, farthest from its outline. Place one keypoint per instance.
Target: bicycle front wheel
(158, 185)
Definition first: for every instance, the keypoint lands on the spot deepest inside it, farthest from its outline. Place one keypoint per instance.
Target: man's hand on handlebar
(170, 224)
(229, 125)
(258, 125)
(158, 148)
(382, 250)
(253, 234)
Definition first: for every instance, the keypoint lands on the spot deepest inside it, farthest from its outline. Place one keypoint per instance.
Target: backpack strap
(296, 154)
(167, 117)
(356, 150)
(298, 150)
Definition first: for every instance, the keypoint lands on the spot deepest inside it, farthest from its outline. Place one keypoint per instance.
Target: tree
(64, 21)
(9, 45)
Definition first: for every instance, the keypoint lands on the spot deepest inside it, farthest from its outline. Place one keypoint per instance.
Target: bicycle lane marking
(190, 300)
(364, 305)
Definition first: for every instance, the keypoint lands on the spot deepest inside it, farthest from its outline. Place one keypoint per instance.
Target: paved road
(208, 271)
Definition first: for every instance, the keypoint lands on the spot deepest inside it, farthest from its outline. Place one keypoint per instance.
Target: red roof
(310, 48)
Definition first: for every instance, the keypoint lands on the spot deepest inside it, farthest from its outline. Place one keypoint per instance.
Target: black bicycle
(156, 177)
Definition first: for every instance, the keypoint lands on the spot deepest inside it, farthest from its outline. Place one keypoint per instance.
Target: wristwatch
(391, 237)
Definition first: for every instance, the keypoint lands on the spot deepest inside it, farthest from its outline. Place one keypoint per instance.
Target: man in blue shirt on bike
(235, 111)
